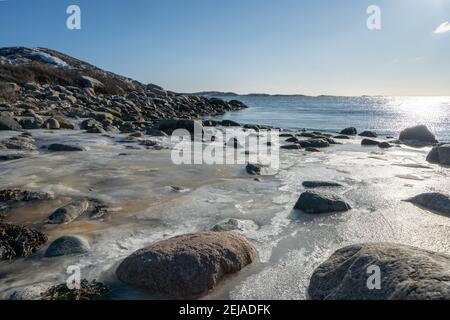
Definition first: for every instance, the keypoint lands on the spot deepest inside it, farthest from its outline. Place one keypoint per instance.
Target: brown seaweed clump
(17, 241)
(88, 291)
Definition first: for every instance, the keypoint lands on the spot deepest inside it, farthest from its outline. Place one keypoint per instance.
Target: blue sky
(290, 46)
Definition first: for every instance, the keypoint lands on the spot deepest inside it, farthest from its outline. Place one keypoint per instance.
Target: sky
(249, 46)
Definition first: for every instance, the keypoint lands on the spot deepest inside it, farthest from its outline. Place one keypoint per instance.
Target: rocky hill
(37, 84)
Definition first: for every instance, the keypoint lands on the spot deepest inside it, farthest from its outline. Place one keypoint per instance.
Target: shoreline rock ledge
(187, 266)
(406, 273)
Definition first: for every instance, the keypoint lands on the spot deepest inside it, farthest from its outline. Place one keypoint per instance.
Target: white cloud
(443, 27)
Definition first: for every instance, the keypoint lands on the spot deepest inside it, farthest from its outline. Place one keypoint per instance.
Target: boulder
(433, 201)
(169, 126)
(186, 266)
(52, 124)
(11, 157)
(17, 195)
(254, 168)
(369, 142)
(407, 273)
(291, 147)
(58, 147)
(18, 143)
(341, 137)
(418, 134)
(91, 83)
(368, 134)
(320, 184)
(316, 203)
(314, 143)
(230, 123)
(8, 123)
(67, 245)
(349, 131)
(385, 145)
(440, 155)
(69, 212)
(235, 225)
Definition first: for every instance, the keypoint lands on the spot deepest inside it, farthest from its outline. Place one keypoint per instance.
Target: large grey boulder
(58, 147)
(440, 155)
(67, 245)
(69, 212)
(418, 134)
(433, 201)
(169, 126)
(349, 131)
(406, 273)
(7, 123)
(320, 202)
(186, 266)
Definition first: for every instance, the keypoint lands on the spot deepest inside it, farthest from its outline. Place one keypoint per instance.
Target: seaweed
(88, 291)
(17, 241)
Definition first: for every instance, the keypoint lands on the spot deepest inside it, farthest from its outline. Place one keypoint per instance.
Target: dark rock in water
(368, 134)
(291, 147)
(69, 212)
(91, 208)
(407, 273)
(349, 131)
(342, 137)
(292, 140)
(385, 145)
(17, 241)
(186, 266)
(440, 155)
(58, 147)
(235, 225)
(16, 195)
(314, 143)
(237, 105)
(67, 245)
(434, 201)
(315, 203)
(90, 124)
(307, 135)
(254, 169)
(230, 123)
(418, 134)
(210, 123)
(11, 157)
(311, 149)
(9, 124)
(192, 126)
(369, 142)
(155, 133)
(320, 184)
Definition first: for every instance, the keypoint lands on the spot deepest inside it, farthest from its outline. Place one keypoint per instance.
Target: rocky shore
(67, 115)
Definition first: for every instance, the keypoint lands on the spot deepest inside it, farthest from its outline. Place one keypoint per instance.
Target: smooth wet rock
(341, 137)
(385, 145)
(12, 157)
(314, 143)
(235, 225)
(418, 134)
(320, 184)
(59, 147)
(433, 201)
(8, 123)
(316, 203)
(17, 241)
(186, 266)
(368, 134)
(407, 273)
(254, 168)
(291, 147)
(52, 124)
(369, 142)
(67, 245)
(440, 155)
(169, 126)
(349, 131)
(230, 123)
(69, 212)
